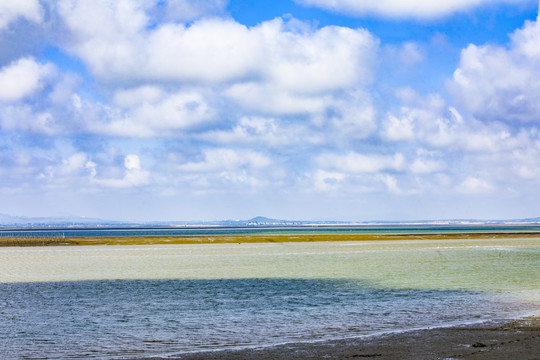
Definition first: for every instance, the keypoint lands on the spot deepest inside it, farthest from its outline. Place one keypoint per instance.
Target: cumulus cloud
(427, 119)
(263, 131)
(11, 10)
(216, 169)
(113, 39)
(353, 162)
(134, 175)
(81, 171)
(186, 10)
(450, 145)
(327, 180)
(22, 78)
(475, 185)
(132, 162)
(502, 83)
(116, 44)
(226, 159)
(301, 71)
(74, 168)
(25, 119)
(398, 8)
(149, 111)
(431, 121)
(276, 68)
(38, 98)
(391, 183)
(425, 166)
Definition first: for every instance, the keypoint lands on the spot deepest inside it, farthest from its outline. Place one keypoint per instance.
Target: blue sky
(301, 109)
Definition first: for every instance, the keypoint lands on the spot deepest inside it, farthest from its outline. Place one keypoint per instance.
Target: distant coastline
(230, 235)
(17, 222)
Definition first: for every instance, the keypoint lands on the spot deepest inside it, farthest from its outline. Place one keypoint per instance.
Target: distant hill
(20, 221)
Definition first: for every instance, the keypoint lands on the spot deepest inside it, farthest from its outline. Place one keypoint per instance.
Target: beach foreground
(510, 339)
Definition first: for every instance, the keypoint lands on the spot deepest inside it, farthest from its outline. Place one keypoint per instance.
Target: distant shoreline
(254, 238)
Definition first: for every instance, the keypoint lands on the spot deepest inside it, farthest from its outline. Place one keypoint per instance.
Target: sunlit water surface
(139, 301)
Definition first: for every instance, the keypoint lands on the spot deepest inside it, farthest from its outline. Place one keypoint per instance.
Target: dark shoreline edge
(501, 339)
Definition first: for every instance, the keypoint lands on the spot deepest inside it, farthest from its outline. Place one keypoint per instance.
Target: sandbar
(259, 238)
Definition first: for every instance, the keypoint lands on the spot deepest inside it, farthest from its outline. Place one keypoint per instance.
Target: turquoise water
(113, 302)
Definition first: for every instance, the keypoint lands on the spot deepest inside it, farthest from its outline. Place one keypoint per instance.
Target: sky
(161, 110)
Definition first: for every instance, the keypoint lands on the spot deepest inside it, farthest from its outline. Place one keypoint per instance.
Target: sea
(135, 302)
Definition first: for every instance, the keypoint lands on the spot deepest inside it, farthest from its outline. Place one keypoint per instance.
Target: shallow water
(137, 301)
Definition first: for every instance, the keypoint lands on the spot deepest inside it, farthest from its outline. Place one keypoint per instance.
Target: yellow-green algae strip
(272, 238)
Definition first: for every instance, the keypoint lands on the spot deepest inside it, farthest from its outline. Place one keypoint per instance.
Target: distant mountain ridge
(21, 221)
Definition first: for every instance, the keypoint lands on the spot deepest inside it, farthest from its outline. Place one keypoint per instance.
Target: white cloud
(134, 176)
(426, 165)
(64, 91)
(74, 168)
(223, 170)
(327, 181)
(329, 58)
(396, 128)
(391, 183)
(150, 111)
(22, 78)
(24, 118)
(430, 121)
(526, 163)
(211, 65)
(130, 98)
(112, 38)
(300, 71)
(132, 162)
(211, 50)
(399, 8)
(502, 83)
(79, 171)
(226, 159)
(74, 163)
(114, 41)
(475, 185)
(184, 10)
(353, 162)
(352, 115)
(10, 10)
(262, 131)
(270, 99)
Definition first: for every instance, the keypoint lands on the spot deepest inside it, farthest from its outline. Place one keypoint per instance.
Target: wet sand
(271, 238)
(511, 339)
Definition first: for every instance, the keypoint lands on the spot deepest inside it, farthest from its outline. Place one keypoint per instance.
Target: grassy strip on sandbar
(269, 238)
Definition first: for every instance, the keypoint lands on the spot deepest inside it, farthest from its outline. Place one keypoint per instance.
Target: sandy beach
(510, 339)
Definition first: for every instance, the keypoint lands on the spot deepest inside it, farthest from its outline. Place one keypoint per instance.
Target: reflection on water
(197, 297)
